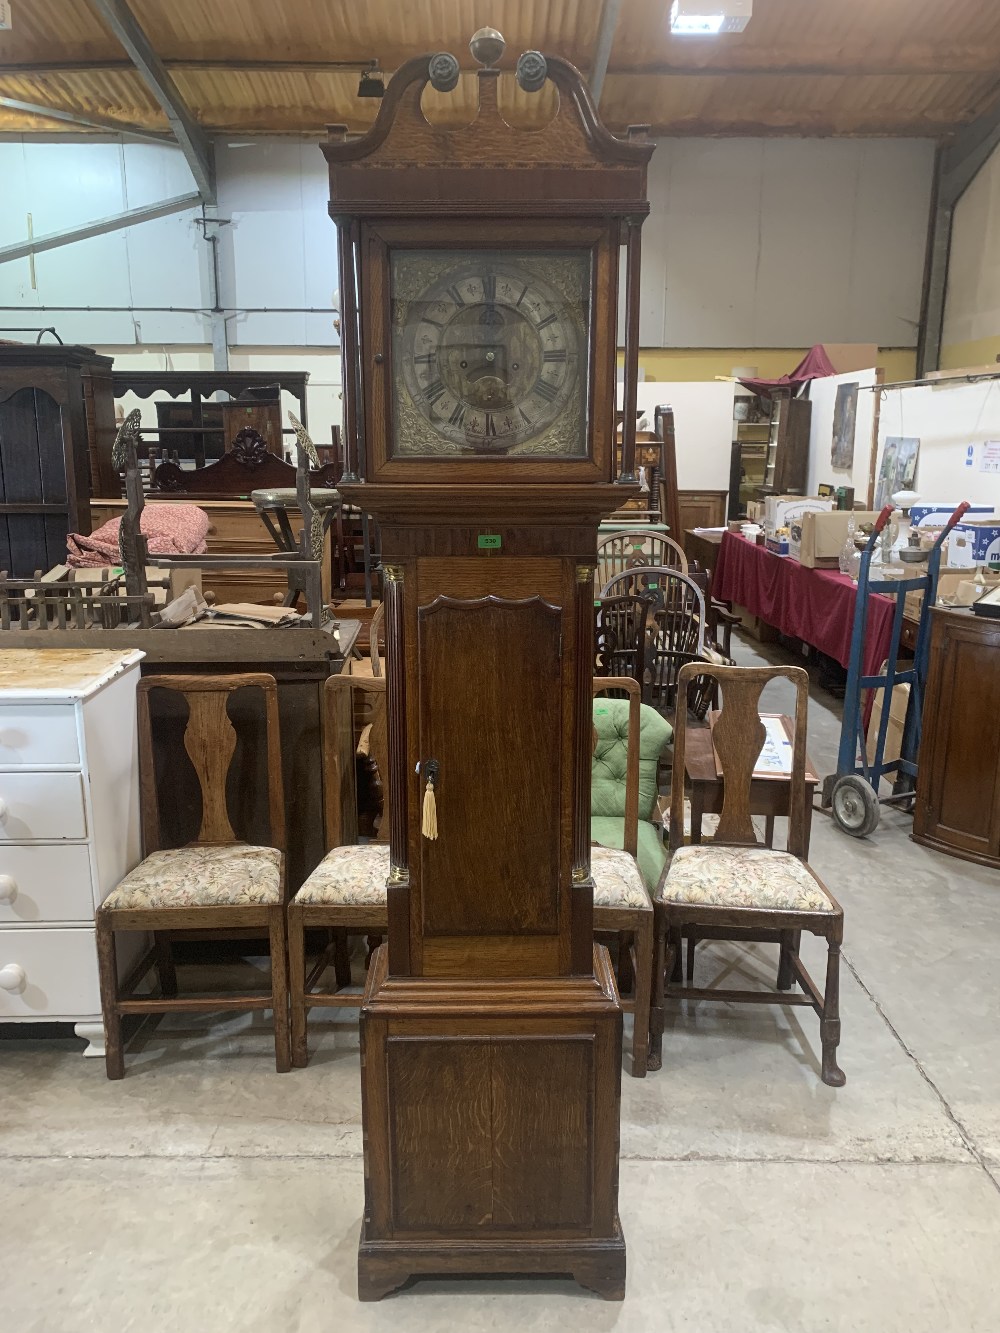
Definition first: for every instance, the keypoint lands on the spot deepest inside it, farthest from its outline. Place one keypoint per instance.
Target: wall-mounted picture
(899, 468)
(845, 416)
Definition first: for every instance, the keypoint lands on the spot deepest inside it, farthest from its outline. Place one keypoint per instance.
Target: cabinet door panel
(490, 715)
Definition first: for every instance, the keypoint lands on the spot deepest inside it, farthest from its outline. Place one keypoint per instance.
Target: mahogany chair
(622, 902)
(732, 887)
(633, 548)
(215, 882)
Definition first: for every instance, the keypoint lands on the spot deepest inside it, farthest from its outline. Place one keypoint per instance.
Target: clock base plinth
(491, 1128)
(597, 1265)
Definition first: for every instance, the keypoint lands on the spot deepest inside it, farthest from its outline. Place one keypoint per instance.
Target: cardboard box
(816, 539)
(755, 627)
(781, 510)
(897, 717)
(937, 515)
(777, 545)
(985, 534)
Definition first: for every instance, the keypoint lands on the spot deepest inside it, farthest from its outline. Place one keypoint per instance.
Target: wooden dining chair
(346, 893)
(732, 887)
(216, 881)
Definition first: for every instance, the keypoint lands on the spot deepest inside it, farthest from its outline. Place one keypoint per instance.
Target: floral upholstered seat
(617, 880)
(354, 876)
(743, 877)
(204, 875)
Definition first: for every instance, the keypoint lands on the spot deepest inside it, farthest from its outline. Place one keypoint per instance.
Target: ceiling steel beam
(188, 133)
(99, 227)
(602, 51)
(956, 168)
(969, 151)
(87, 120)
(943, 66)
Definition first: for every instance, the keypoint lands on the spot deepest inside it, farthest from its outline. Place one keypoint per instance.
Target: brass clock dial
(490, 352)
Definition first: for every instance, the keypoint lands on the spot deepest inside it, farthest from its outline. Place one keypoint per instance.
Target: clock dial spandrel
(489, 353)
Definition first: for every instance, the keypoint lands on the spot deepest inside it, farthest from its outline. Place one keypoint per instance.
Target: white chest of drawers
(69, 826)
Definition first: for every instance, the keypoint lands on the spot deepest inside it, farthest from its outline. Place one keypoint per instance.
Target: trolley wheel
(855, 806)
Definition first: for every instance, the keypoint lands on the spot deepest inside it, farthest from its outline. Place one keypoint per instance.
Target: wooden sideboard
(958, 781)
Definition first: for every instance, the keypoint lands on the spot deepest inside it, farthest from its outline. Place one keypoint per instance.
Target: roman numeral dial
(490, 352)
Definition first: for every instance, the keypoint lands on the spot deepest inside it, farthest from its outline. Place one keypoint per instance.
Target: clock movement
(480, 286)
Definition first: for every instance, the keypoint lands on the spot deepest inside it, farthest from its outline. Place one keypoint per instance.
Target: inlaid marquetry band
(584, 573)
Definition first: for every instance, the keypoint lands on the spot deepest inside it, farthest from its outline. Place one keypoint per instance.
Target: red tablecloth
(815, 605)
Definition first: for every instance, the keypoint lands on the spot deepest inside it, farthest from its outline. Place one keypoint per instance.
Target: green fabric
(652, 854)
(608, 764)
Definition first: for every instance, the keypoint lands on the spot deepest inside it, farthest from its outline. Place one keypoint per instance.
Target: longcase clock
(479, 378)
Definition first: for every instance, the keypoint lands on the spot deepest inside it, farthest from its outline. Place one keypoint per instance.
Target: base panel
(597, 1265)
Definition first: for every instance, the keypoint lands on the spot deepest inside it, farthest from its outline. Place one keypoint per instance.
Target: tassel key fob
(429, 823)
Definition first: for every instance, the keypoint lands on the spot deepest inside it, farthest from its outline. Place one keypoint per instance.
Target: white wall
(703, 428)
(946, 418)
(279, 249)
(750, 243)
(785, 242)
(823, 396)
(972, 306)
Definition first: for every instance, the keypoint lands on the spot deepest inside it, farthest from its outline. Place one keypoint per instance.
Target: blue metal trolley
(853, 791)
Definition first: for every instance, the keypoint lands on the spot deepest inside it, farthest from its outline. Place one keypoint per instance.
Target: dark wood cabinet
(479, 402)
(56, 414)
(700, 509)
(958, 782)
(786, 466)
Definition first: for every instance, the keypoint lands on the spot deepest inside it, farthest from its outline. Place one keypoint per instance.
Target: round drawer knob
(12, 977)
(8, 888)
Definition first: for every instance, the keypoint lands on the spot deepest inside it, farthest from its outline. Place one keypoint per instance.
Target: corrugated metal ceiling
(907, 67)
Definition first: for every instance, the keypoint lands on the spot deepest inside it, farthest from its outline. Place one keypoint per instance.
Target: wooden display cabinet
(57, 415)
(480, 401)
(958, 778)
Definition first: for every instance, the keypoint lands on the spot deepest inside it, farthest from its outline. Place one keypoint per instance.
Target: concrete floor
(205, 1192)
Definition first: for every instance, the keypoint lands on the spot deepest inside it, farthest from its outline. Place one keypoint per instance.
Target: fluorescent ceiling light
(706, 18)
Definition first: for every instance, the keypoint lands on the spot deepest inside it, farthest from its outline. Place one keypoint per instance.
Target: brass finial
(487, 46)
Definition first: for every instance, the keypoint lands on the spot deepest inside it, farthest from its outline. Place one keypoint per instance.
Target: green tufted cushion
(652, 855)
(607, 767)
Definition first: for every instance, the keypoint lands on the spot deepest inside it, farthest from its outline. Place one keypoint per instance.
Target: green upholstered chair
(628, 738)
(609, 782)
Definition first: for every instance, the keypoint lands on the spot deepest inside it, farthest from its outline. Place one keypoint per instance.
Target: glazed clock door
(487, 354)
(491, 720)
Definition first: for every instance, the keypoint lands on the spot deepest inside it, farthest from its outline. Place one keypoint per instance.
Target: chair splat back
(343, 695)
(210, 740)
(738, 735)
